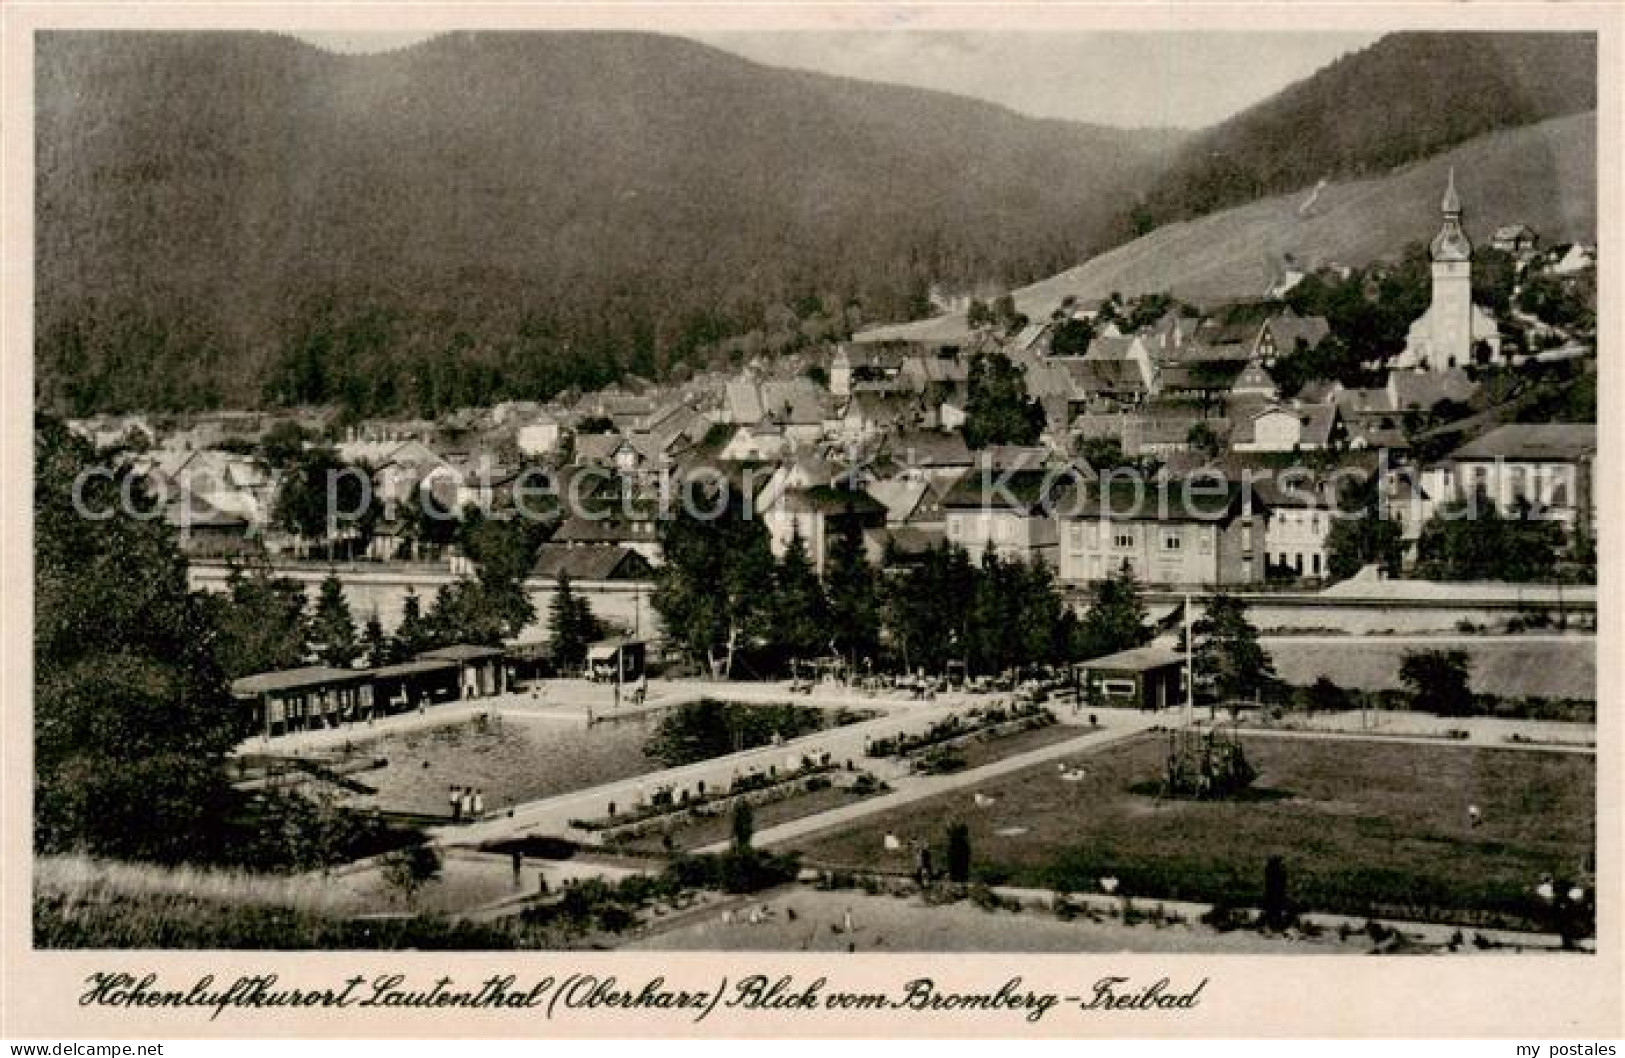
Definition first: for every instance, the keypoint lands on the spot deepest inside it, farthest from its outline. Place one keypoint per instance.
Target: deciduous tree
(998, 410)
(132, 712)
(1437, 680)
(711, 590)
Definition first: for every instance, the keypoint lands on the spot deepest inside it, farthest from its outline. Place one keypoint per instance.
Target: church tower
(1452, 288)
(1453, 333)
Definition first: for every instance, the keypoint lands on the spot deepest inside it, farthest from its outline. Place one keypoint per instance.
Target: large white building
(1453, 332)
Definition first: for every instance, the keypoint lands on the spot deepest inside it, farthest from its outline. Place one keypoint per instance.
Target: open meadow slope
(1543, 175)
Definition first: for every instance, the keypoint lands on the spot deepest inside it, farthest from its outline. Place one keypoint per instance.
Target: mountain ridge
(642, 193)
(231, 218)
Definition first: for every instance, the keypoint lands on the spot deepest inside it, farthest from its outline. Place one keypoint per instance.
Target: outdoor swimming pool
(518, 758)
(511, 761)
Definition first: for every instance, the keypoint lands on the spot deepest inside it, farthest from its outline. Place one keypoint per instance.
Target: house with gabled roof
(1116, 371)
(800, 407)
(856, 362)
(1000, 458)
(637, 529)
(761, 443)
(539, 435)
(1289, 428)
(903, 546)
(590, 562)
(932, 455)
(1303, 507)
(943, 382)
(1198, 531)
(1171, 332)
(1574, 260)
(819, 515)
(106, 431)
(1008, 513)
(605, 450)
(1519, 240)
(1375, 416)
(1287, 332)
(869, 414)
(909, 502)
(804, 470)
(206, 530)
(1250, 391)
(1547, 467)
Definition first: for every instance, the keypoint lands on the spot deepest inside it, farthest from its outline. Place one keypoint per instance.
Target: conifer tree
(332, 629)
(854, 602)
(1227, 653)
(800, 613)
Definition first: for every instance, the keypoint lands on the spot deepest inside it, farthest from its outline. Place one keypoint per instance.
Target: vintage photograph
(868, 491)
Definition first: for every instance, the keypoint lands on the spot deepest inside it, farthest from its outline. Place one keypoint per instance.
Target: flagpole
(1190, 666)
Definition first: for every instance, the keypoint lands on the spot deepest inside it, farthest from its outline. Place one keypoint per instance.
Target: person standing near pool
(479, 805)
(456, 804)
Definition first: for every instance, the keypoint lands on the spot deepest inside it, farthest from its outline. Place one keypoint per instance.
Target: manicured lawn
(693, 834)
(977, 753)
(1364, 828)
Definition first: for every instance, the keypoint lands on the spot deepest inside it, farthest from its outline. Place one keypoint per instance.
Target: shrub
(959, 853)
(408, 870)
(1225, 918)
(1277, 910)
(744, 825)
(866, 784)
(615, 919)
(1325, 696)
(985, 898)
(735, 871)
(940, 761)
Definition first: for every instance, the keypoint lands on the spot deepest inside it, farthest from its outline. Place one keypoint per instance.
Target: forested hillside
(242, 217)
(1406, 97)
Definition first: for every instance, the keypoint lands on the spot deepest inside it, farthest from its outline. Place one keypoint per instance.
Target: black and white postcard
(806, 521)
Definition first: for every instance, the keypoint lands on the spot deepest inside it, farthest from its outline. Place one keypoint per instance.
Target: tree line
(734, 608)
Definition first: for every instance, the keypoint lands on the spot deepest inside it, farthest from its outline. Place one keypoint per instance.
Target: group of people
(467, 804)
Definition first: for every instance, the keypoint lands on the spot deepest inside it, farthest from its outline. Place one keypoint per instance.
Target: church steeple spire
(1451, 243)
(1451, 206)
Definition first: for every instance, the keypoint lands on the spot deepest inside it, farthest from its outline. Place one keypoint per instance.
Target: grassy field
(1540, 668)
(81, 903)
(1364, 829)
(892, 925)
(687, 834)
(978, 753)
